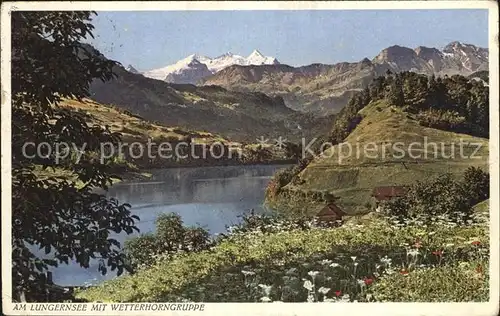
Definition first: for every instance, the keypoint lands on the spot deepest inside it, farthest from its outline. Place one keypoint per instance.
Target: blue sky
(152, 39)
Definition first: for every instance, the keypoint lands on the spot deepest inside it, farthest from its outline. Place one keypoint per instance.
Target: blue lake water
(211, 197)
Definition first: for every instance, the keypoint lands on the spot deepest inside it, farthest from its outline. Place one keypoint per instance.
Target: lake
(211, 197)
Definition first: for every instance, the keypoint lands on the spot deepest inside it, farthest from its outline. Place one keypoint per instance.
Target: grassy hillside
(134, 127)
(352, 177)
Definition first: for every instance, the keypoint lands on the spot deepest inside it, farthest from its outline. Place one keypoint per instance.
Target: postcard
(250, 158)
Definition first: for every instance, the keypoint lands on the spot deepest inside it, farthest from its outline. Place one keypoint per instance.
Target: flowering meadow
(384, 260)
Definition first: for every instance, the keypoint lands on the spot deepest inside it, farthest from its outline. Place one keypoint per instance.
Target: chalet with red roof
(388, 192)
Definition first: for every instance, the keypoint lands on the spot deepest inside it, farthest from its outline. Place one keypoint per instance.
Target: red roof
(387, 192)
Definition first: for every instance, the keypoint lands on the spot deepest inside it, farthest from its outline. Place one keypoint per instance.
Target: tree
(476, 185)
(171, 237)
(61, 213)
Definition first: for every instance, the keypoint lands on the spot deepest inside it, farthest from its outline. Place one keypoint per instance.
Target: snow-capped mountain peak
(255, 54)
(131, 69)
(195, 67)
(256, 58)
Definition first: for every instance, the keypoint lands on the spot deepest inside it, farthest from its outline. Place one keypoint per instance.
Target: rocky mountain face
(324, 89)
(196, 67)
(454, 58)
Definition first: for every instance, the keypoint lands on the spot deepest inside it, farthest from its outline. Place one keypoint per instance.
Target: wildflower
(312, 273)
(326, 262)
(355, 264)
(266, 288)
(323, 290)
(353, 258)
(247, 272)
(438, 253)
(386, 261)
(265, 299)
(476, 242)
(334, 265)
(338, 293)
(413, 252)
(308, 285)
(463, 264)
(404, 272)
(368, 281)
(310, 297)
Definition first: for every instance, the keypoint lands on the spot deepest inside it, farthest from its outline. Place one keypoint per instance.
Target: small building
(330, 213)
(388, 192)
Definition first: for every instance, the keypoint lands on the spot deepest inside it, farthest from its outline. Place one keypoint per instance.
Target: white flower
(265, 299)
(310, 298)
(369, 296)
(308, 285)
(334, 265)
(361, 282)
(247, 272)
(353, 258)
(386, 261)
(266, 288)
(413, 252)
(355, 264)
(463, 264)
(345, 298)
(326, 262)
(313, 273)
(323, 290)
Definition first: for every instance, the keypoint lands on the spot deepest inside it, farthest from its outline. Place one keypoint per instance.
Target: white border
(488, 308)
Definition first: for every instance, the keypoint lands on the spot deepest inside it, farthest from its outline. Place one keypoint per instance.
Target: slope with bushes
(381, 139)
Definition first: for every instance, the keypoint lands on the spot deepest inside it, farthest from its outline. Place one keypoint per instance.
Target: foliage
(315, 264)
(442, 195)
(464, 281)
(476, 184)
(171, 237)
(68, 221)
(446, 120)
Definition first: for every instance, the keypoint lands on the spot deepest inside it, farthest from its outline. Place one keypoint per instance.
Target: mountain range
(321, 89)
(324, 89)
(195, 67)
(244, 102)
